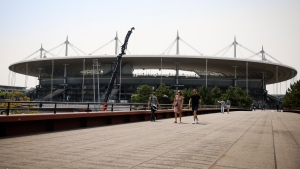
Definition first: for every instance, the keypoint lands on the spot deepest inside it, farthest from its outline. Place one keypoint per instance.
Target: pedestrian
(177, 104)
(195, 99)
(222, 103)
(228, 106)
(153, 102)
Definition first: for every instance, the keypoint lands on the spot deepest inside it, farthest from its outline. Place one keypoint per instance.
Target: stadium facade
(85, 78)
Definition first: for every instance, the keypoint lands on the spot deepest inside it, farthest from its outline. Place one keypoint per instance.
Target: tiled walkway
(259, 139)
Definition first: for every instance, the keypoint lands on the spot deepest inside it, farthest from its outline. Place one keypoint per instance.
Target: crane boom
(117, 67)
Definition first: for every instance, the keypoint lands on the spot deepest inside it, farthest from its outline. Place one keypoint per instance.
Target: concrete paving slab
(253, 139)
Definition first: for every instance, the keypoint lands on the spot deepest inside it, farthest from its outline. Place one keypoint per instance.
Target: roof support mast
(234, 44)
(67, 42)
(41, 51)
(177, 39)
(116, 46)
(263, 57)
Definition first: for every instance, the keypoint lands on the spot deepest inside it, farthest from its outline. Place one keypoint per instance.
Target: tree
(205, 94)
(165, 94)
(216, 94)
(242, 98)
(237, 97)
(229, 95)
(143, 94)
(291, 99)
(187, 93)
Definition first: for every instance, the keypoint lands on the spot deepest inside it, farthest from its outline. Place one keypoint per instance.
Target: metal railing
(33, 107)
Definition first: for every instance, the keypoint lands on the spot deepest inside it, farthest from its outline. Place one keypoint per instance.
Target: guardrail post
(112, 107)
(7, 110)
(54, 108)
(88, 108)
(130, 107)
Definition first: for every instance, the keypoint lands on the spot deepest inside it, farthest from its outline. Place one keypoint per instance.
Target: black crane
(116, 68)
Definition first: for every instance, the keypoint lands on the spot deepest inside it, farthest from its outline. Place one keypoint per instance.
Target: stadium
(85, 78)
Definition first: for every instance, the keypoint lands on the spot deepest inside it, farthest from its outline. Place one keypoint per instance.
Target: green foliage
(16, 96)
(291, 99)
(134, 98)
(216, 94)
(5, 95)
(187, 93)
(206, 95)
(143, 94)
(165, 94)
(238, 97)
(209, 96)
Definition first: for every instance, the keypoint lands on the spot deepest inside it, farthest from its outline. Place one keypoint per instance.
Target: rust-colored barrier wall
(36, 123)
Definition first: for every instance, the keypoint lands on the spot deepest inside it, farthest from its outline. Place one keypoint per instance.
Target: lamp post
(95, 63)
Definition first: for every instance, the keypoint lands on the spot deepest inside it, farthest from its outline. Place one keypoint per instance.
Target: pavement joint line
(221, 141)
(294, 139)
(192, 140)
(231, 122)
(274, 147)
(234, 143)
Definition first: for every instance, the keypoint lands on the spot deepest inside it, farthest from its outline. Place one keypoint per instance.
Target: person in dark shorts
(195, 99)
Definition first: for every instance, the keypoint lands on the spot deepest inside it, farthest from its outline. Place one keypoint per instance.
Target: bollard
(88, 108)
(7, 111)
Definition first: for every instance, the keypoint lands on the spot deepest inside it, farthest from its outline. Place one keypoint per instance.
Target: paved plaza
(257, 139)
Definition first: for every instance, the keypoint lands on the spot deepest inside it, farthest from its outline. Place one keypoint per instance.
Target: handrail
(86, 106)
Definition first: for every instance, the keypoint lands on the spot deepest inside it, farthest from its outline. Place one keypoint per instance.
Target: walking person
(195, 99)
(222, 103)
(228, 106)
(177, 104)
(153, 102)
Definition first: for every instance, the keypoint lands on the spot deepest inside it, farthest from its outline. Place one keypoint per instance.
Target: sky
(208, 26)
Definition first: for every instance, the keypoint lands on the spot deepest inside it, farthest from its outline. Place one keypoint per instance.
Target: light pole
(95, 63)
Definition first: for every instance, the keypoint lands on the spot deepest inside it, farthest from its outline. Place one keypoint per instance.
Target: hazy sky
(208, 26)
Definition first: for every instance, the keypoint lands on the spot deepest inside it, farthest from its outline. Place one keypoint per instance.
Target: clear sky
(208, 26)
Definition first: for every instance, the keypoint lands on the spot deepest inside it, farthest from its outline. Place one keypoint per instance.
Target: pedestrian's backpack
(153, 105)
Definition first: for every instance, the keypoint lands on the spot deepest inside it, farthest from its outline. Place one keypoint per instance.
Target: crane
(116, 69)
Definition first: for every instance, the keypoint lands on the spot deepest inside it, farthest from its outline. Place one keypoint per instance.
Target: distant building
(12, 89)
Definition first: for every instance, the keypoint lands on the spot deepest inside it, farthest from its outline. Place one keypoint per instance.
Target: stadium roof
(223, 65)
